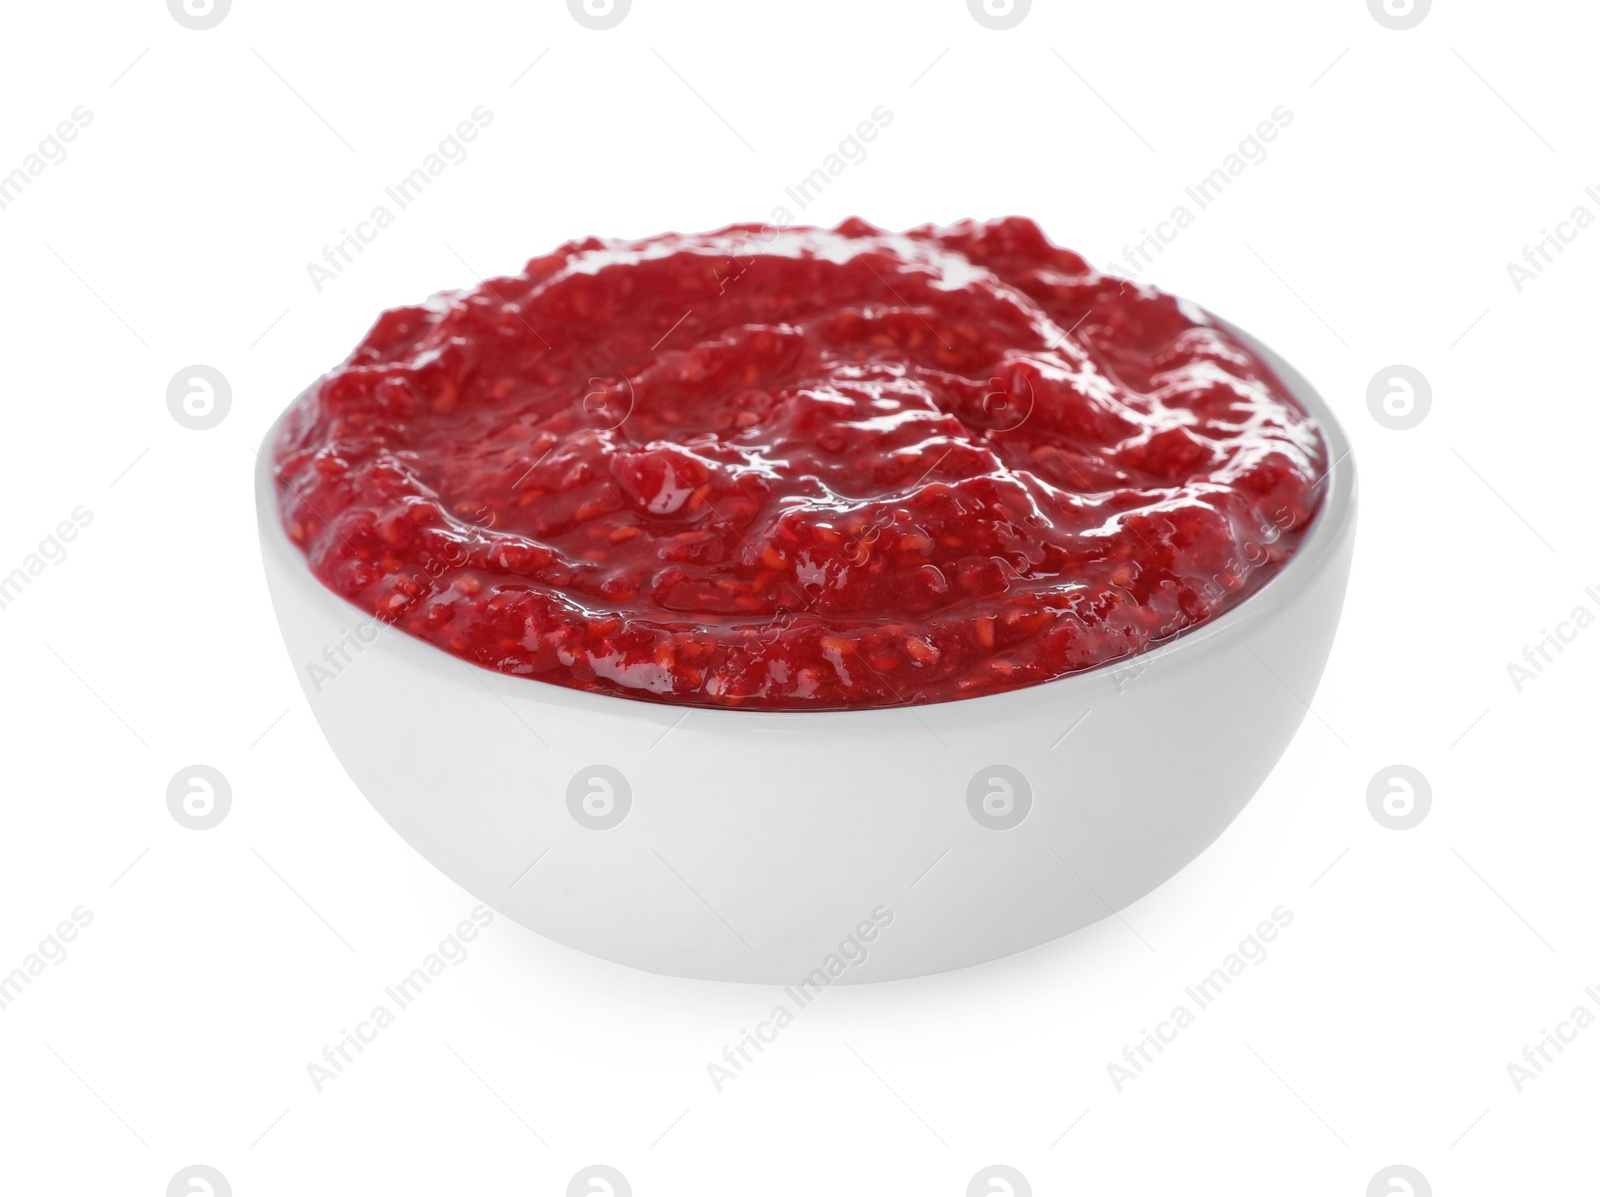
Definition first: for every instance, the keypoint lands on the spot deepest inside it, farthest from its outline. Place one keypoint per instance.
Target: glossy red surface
(799, 469)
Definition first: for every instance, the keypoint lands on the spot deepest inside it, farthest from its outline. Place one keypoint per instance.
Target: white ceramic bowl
(763, 846)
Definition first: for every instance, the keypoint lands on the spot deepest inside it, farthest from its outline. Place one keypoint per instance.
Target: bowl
(819, 847)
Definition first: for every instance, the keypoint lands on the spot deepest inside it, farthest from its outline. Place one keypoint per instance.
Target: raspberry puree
(799, 469)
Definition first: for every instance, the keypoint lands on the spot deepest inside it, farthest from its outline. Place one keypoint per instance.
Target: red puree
(799, 469)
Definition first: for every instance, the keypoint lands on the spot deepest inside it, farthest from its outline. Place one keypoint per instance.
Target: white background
(177, 231)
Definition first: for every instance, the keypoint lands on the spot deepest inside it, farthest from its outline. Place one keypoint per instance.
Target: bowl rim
(1303, 568)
